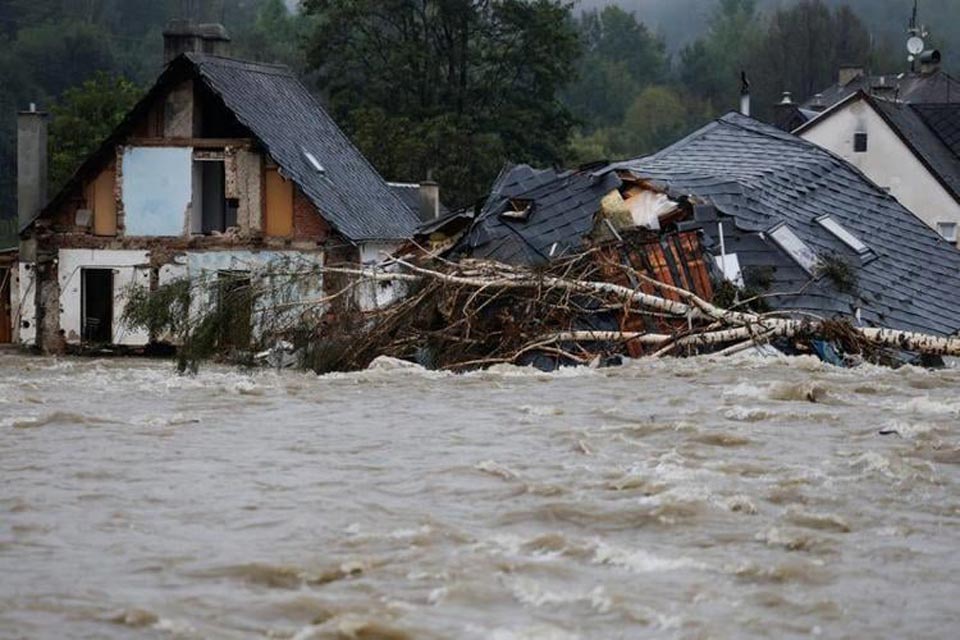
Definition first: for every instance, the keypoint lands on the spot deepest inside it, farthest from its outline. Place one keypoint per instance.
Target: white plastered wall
(889, 162)
(278, 277)
(25, 305)
(130, 268)
(377, 295)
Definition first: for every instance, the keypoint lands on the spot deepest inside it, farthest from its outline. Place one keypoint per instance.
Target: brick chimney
(31, 164)
(190, 34)
(849, 73)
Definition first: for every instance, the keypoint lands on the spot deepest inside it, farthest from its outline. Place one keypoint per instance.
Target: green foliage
(657, 117)
(274, 35)
(839, 272)
(621, 56)
(486, 73)
(802, 49)
(205, 318)
(82, 120)
(164, 311)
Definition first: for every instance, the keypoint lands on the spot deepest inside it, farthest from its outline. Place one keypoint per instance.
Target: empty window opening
(214, 212)
(235, 307)
(796, 248)
(842, 234)
(860, 142)
(948, 230)
(6, 324)
(97, 303)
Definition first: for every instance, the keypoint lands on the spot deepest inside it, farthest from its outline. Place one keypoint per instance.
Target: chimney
(849, 73)
(930, 62)
(786, 114)
(190, 35)
(429, 200)
(31, 164)
(744, 94)
(818, 105)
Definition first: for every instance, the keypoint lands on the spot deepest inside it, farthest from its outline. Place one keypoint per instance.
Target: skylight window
(795, 247)
(312, 159)
(844, 236)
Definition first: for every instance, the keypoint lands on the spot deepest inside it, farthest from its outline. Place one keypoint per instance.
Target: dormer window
(860, 142)
(842, 234)
(794, 247)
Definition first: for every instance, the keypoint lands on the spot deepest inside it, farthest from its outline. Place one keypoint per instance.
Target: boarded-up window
(279, 205)
(103, 202)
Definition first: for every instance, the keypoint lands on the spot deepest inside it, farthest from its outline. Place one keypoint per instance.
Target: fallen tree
(473, 314)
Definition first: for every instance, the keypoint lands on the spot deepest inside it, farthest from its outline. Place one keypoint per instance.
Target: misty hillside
(682, 21)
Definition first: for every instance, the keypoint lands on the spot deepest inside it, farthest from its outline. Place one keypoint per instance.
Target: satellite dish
(915, 45)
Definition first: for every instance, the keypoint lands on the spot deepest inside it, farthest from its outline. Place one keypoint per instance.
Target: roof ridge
(269, 68)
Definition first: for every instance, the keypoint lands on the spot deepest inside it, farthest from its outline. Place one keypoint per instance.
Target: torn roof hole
(518, 209)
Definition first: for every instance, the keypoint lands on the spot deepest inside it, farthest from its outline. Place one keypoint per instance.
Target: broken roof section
(533, 216)
(763, 178)
(270, 102)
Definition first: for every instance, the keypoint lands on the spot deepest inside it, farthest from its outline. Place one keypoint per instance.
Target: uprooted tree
(472, 314)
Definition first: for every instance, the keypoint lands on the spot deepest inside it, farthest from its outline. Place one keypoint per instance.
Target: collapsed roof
(788, 209)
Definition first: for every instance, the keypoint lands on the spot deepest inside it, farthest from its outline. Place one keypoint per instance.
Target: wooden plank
(278, 205)
(196, 143)
(104, 203)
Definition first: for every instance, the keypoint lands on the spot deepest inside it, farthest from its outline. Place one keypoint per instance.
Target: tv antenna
(917, 33)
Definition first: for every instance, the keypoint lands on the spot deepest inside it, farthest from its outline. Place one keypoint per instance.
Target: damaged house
(790, 224)
(223, 169)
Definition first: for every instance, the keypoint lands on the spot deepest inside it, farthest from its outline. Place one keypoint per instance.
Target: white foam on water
(494, 468)
(177, 629)
(641, 561)
(534, 593)
(535, 632)
(928, 406)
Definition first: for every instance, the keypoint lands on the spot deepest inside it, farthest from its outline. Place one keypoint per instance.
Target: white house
(911, 150)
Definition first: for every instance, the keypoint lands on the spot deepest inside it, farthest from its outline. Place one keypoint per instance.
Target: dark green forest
(454, 88)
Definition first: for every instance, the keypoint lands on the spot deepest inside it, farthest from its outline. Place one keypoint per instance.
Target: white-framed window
(948, 230)
(842, 234)
(796, 248)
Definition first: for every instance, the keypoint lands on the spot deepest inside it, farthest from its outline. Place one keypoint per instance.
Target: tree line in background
(445, 88)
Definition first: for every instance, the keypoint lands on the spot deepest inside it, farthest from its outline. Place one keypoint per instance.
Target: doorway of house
(6, 319)
(97, 303)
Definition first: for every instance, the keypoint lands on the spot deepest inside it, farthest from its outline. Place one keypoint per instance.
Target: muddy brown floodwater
(676, 499)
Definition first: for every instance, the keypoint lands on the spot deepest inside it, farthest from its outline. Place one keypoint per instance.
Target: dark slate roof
(908, 123)
(564, 204)
(288, 121)
(944, 120)
(938, 87)
(761, 176)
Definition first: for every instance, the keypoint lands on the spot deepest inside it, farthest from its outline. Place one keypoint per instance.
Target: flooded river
(675, 499)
